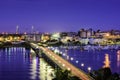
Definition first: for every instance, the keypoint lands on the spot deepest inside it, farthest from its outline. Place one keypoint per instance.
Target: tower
(32, 30)
(17, 29)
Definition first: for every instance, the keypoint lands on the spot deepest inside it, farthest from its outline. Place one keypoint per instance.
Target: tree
(98, 30)
(62, 74)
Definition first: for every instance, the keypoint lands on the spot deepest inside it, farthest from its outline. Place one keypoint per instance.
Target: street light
(52, 48)
(68, 69)
(63, 65)
(71, 58)
(64, 54)
(37, 47)
(59, 61)
(77, 61)
(89, 69)
(55, 58)
(60, 52)
(67, 57)
(82, 64)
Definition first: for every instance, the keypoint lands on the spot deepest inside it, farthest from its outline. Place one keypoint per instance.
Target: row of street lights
(58, 61)
(68, 57)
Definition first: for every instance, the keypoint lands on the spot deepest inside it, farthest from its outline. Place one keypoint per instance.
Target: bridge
(62, 63)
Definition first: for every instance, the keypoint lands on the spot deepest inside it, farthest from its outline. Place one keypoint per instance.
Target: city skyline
(59, 15)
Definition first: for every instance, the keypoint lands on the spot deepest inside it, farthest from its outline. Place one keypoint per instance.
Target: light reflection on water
(107, 61)
(118, 60)
(16, 63)
(33, 69)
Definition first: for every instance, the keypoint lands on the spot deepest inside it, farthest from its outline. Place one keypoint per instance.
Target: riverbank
(14, 44)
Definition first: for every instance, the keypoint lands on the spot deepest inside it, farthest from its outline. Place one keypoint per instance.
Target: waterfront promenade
(63, 63)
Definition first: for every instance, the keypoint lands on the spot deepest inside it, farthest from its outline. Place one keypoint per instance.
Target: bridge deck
(65, 64)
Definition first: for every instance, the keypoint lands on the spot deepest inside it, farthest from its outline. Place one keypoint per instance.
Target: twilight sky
(59, 15)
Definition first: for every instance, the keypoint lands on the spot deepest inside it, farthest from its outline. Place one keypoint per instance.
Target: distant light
(56, 51)
(82, 64)
(6, 33)
(59, 61)
(63, 65)
(3, 33)
(37, 47)
(89, 68)
(48, 47)
(55, 58)
(53, 48)
(107, 34)
(77, 61)
(64, 54)
(71, 58)
(118, 52)
(67, 57)
(60, 52)
(25, 32)
(69, 69)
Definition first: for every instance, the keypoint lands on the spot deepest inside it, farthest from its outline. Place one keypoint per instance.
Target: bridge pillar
(38, 52)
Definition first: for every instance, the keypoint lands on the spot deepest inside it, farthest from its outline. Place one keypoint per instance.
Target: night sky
(59, 15)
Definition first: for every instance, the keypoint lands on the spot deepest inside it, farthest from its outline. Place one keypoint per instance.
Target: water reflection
(118, 58)
(94, 59)
(33, 69)
(46, 71)
(24, 65)
(107, 61)
(40, 70)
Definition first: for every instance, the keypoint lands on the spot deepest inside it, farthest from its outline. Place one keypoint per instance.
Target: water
(19, 64)
(92, 60)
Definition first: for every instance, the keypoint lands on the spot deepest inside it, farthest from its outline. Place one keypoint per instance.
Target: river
(91, 60)
(18, 63)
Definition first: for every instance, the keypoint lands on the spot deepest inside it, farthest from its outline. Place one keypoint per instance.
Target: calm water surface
(93, 59)
(18, 64)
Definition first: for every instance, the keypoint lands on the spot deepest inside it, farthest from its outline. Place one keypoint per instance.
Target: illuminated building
(85, 33)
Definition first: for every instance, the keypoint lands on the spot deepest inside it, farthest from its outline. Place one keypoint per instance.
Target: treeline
(104, 74)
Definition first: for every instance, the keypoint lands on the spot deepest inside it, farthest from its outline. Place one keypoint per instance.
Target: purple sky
(59, 15)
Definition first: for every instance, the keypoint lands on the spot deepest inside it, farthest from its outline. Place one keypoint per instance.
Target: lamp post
(89, 69)
(71, 59)
(76, 61)
(82, 65)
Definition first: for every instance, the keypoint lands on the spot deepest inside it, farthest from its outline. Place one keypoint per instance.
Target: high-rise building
(85, 33)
